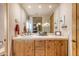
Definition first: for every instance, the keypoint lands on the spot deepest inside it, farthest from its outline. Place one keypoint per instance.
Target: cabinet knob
(61, 44)
(74, 41)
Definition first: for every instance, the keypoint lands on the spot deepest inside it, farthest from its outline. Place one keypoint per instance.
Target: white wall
(15, 12)
(65, 10)
(56, 18)
(23, 19)
(2, 22)
(2, 12)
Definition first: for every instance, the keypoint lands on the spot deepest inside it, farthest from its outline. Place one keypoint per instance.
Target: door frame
(74, 29)
(6, 29)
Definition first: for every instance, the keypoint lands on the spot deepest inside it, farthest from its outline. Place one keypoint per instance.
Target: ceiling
(39, 9)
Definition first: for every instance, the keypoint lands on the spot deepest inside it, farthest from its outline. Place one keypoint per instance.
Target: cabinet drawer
(39, 44)
(40, 52)
(29, 52)
(40, 47)
(50, 49)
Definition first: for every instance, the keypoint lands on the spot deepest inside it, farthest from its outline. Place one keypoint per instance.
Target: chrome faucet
(28, 33)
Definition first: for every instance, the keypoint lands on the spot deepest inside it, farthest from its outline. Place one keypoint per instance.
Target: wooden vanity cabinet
(23, 48)
(61, 48)
(56, 48)
(39, 47)
(64, 48)
(29, 48)
(18, 48)
(50, 48)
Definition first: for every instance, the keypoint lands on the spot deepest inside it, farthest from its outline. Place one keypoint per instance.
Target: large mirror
(40, 24)
(40, 17)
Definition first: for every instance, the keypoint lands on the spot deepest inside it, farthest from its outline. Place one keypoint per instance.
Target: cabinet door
(40, 48)
(29, 48)
(64, 48)
(61, 47)
(57, 48)
(18, 47)
(50, 49)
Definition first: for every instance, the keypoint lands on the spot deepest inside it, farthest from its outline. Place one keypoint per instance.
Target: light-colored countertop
(34, 37)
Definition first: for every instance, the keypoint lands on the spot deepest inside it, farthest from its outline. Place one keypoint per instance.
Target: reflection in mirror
(39, 24)
(40, 17)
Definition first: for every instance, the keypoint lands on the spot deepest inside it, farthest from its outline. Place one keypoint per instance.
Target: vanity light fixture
(38, 24)
(29, 6)
(39, 6)
(50, 6)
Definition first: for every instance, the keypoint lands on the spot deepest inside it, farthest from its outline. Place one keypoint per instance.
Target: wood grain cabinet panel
(29, 48)
(39, 47)
(52, 23)
(64, 48)
(61, 47)
(74, 29)
(18, 47)
(50, 48)
(74, 48)
(57, 48)
(77, 29)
